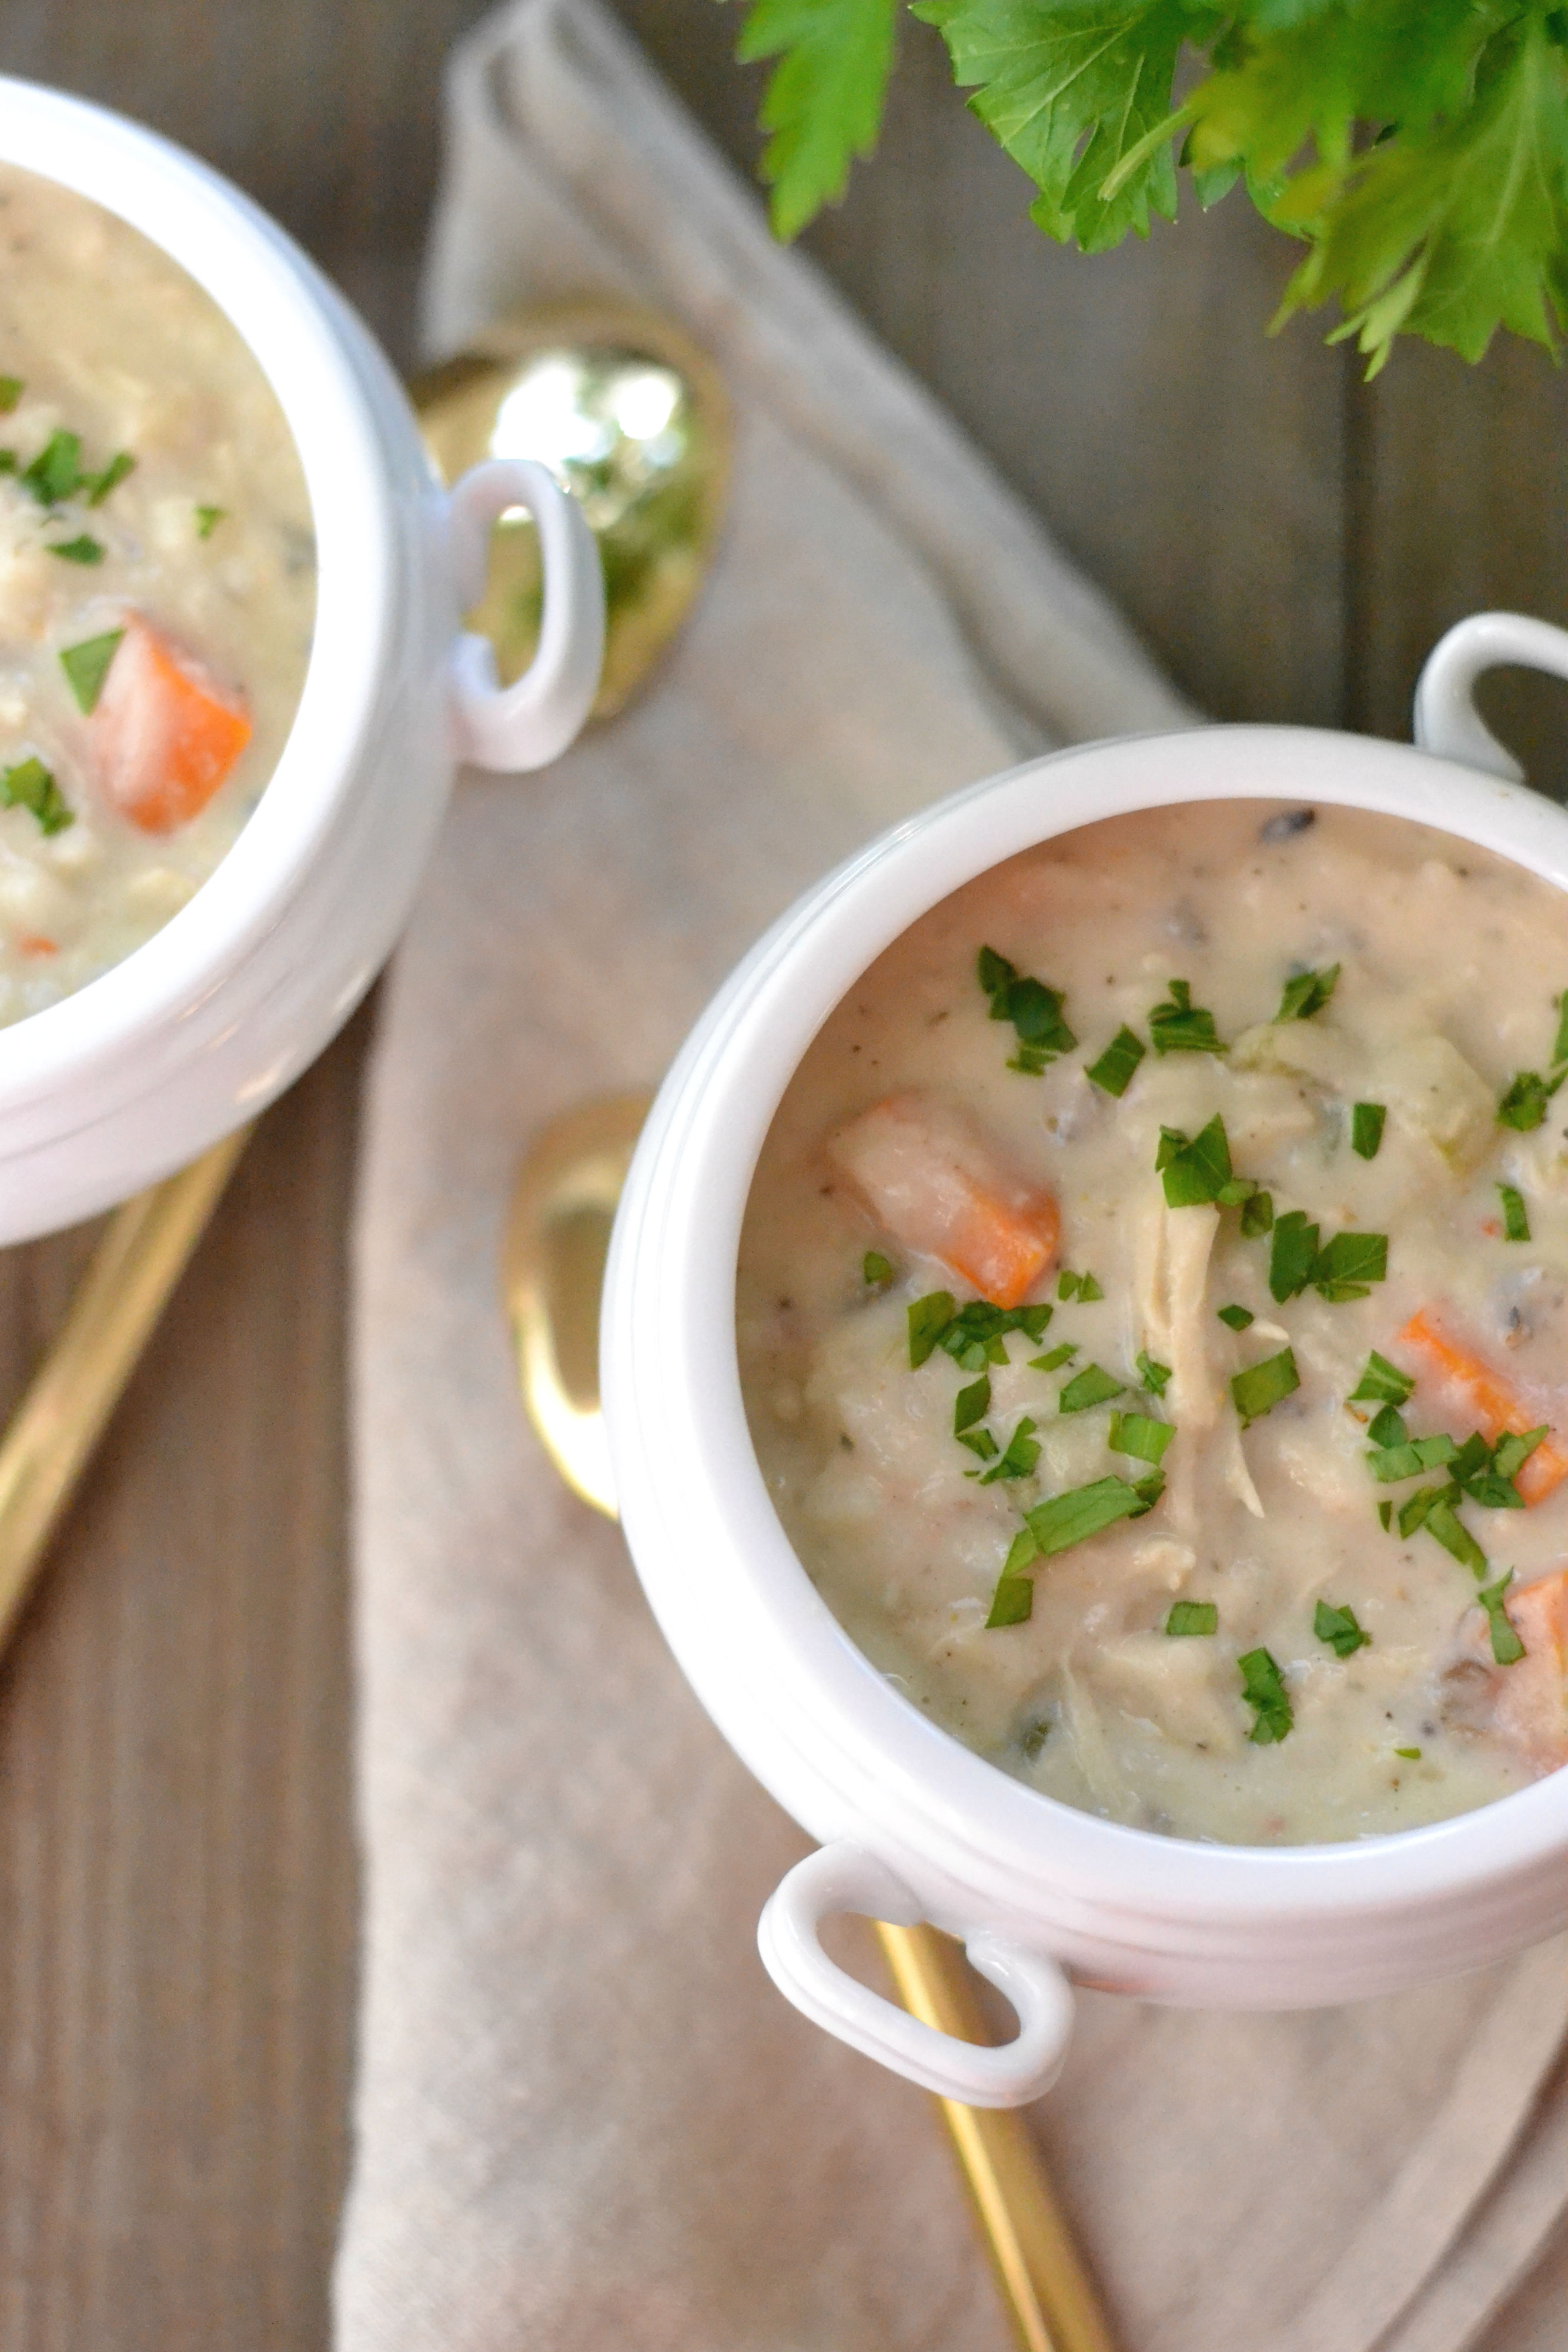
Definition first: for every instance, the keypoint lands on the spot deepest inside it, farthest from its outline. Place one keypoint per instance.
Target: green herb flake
(81, 550)
(1088, 1290)
(1114, 1071)
(1455, 1537)
(1307, 994)
(30, 785)
(1348, 1265)
(1019, 1457)
(11, 391)
(1292, 1255)
(1067, 1284)
(1506, 1646)
(1012, 1603)
(1193, 1168)
(1388, 1427)
(1263, 1688)
(1084, 1511)
(1089, 1387)
(1524, 1102)
(875, 1270)
(208, 519)
(1180, 1027)
(979, 1442)
(1413, 1510)
(1514, 1448)
(1366, 1129)
(1339, 1629)
(1515, 1218)
(98, 486)
(1261, 1387)
(928, 1319)
(1411, 1755)
(1560, 1050)
(1257, 1216)
(1033, 1737)
(56, 472)
(1238, 1318)
(1057, 1357)
(1034, 1010)
(86, 666)
(971, 1405)
(1135, 1434)
(1192, 1617)
(1381, 1383)
(1409, 1459)
(1385, 1514)
(1154, 1376)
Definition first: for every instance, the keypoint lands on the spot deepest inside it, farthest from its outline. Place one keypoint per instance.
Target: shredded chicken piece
(1172, 1250)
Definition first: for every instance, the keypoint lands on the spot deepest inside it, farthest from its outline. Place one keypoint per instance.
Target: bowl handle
(845, 1877)
(526, 724)
(1446, 719)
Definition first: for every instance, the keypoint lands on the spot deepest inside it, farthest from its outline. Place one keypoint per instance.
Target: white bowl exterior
(1166, 1918)
(201, 1027)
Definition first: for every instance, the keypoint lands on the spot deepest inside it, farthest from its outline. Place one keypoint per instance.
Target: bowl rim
(293, 325)
(681, 1431)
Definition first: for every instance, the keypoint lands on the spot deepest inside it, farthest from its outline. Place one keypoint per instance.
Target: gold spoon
(558, 1234)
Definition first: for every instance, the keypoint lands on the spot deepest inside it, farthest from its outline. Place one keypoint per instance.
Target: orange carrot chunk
(164, 733)
(1491, 1399)
(935, 1184)
(1533, 1694)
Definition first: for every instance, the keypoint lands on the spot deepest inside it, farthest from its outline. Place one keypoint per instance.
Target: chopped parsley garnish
(1034, 1010)
(1388, 1427)
(1292, 1254)
(1089, 1387)
(981, 1442)
(1012, 1603)
(1196, 1169)
(1084, 1511)
(1524, 1102)
(1366, 1129)
(1506, 1646)
(1113, 1072)
(56, 472)
(1018, 1458)
(208, 519)
(1455, 1538)
(86, 666)
(1057, 1355)
(79, 550)
(1180, 1027)
(1381, 1383)
(1410, 1457)
(1514, 1448)
(1238, 1318)
(1257, 1214)
(1135, 1434)
(1385, 1515)
(11, 391)
(1193, 1617)
(1154, 1377)
(1339, 1629)
(1560, 1050)
(1515, 1218)
(1261, 1387)
(1078, 1286)
(1307, 994)
(971, 1404)
(1344, 1268)
(98, 486)
(928, 1319)
(1032, 1739)
(30, 785)
(1263, 1688)
(875, 1268)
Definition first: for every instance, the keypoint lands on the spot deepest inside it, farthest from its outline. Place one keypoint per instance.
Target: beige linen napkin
(584, 2117)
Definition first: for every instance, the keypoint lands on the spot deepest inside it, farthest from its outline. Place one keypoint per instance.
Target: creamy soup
(1153, 1312)
(157, 589)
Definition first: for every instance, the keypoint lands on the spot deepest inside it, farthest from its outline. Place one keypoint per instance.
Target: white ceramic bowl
(200, 1028)
(911, 1824)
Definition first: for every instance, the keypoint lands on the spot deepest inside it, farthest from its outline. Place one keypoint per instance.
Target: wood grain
(176, 1857)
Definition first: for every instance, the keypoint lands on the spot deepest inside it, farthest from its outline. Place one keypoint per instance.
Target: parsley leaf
(56, 470)
(1515, 1218)
(1292, 1255)
(98, 486)
(1381, 1383)
(823, 103)
(1034, 1010)
(1081, 1512)
(1135, 1434)
(1195, 1170)
(1012, 1603)
(1089, 1387)
(86, 666)
(1339, 1629)
(11, 391)
(1238, 1318)
(1154, 1377)
(208, 519)
(928, 1319)
(1263, 1688)
(1113, 1072)
(1193, 1617)
(1366, 1129)
(1261, 1387)
(1345, 1266)
(1307, 994)
(1180, 1027)
(1506, 1646)
(1018, 1458)
(1524, 1099)
(875, 1269)
(30, 785)
(81, 550)
(971, 1404)
(1057, 1355)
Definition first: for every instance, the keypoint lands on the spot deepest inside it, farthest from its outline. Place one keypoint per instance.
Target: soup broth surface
(157, 589)
(1190, 1439)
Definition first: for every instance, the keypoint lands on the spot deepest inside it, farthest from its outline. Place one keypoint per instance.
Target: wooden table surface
(177, 1866)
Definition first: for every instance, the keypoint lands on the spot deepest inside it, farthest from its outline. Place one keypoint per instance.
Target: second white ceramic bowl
(199, 1029)
(911, 1824)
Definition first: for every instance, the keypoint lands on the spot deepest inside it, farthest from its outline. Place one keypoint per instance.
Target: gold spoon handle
(143, 1254)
